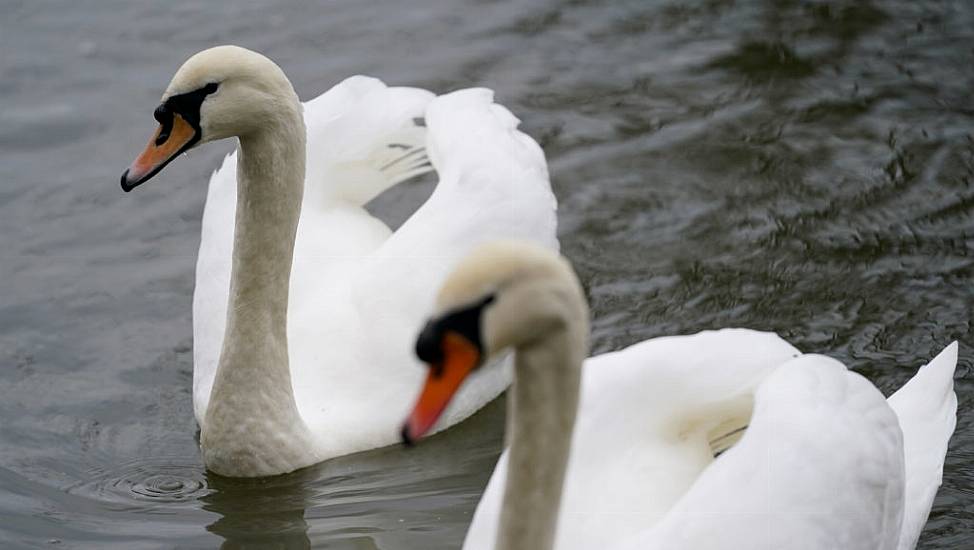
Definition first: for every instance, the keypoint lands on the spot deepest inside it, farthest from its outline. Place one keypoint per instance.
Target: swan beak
(460, 358)
(171, 139)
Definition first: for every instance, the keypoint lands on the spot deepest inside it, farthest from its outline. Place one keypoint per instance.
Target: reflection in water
(387, 498)
(260, 513)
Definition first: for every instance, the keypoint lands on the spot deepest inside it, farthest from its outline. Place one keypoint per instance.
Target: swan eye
(187, 105)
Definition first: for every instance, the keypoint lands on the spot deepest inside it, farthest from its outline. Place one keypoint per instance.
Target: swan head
(218, 93)
(504, 295)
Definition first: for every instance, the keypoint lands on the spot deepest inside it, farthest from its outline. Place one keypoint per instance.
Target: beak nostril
(164, 116)
(163, 134)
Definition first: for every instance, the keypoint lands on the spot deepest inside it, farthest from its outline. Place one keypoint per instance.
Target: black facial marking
(428, 343)
(464, 321)
(187, 106)
(164, 117)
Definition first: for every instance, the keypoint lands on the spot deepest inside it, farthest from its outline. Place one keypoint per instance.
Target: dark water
(804, 167)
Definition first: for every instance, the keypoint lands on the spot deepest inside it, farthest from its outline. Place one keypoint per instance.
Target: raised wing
(927, 411)
(493, 183)
(820, 466)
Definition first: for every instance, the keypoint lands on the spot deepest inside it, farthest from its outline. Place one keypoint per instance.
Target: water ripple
(158, 480)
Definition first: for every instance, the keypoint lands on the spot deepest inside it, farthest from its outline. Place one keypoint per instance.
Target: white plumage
(825, 462)
(358, 291)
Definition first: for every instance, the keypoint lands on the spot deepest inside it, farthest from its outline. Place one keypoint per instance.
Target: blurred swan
(653, 452)
(290, 374)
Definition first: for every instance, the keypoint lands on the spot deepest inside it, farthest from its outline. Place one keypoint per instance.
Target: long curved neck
(252, 405)
(541, 415)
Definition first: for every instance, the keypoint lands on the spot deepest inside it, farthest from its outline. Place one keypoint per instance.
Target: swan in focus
(646, 448)
(296, 281)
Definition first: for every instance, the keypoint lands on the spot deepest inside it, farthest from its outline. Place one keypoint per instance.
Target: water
(798, 166)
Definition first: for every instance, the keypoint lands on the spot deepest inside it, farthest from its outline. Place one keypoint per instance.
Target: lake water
(805, 167)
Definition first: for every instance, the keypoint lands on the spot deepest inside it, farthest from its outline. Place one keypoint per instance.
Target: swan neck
(541, 415)
(253, 378)
(270, 177)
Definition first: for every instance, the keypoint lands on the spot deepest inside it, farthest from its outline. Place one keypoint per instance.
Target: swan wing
(493, 183)
(362, 138)
(927, 411)
(646, 418)
(820, 466)
(354, 394)
(212, 290)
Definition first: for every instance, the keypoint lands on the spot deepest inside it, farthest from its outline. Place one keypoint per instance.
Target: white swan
(271, 399)
(825, 462)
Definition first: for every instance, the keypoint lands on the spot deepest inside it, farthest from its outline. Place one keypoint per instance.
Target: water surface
(804, 167)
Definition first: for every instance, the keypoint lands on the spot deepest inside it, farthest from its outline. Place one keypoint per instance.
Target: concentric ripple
(157, 480)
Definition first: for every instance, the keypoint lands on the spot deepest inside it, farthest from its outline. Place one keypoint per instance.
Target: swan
(294, 274)
(620, 454)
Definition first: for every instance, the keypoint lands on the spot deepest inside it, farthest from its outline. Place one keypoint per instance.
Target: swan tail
(926, 407)
(363, 138)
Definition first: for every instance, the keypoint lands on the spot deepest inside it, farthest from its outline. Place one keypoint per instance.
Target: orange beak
(460, 358)
(162, 148)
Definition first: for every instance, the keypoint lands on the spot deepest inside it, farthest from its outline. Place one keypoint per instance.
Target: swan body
(824, 462)
(296, 281)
